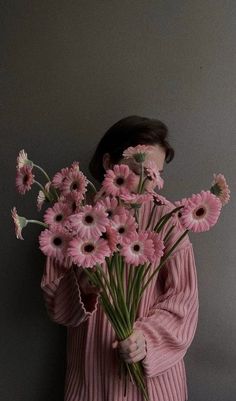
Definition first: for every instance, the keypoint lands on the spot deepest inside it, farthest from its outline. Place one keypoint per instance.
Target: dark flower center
(57, 241)
(89, 248)
(73, 206)
(136, 248)
(109, 213)
(59, 217)
(75, 185)
(200, 212)
(121, 230)
(25, 179)
(120, 181)
(104, 236)
(88, 219)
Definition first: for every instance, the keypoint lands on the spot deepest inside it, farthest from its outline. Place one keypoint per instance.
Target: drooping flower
(57, 214)
(124, 225)
(20, 222)
(158, 246)
(138, 153)
(88, 252)
(200, 212)
(90, 222)
(138, 249)
(74, 181)
(135, 198)
(54, 242)
(41, 198)
(24, 179)
(160, 200)
(153, 174)
(220, 188)
(59, 177)
(22, 160)
(119, 180)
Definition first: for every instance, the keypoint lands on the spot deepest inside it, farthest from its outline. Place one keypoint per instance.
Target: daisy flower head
(138, 153)
(19, 221)
(158, 246)
(54, 242)
(22, 160)
(24, 179)
(160, 200)
(200, 212)
(111, 236)
(42, 195)
(75, 166)
(119, 180)
(88, 252)
(59, 178)
(90, 222)
(73, 200)
(74, 181)
(220, 188)
(136, 199)
(153, 174)
(111, 206)
(56, 214)
(124, 225)
(138, 249)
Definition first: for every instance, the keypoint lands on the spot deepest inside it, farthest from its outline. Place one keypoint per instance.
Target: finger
(126, 348)
(114, 344)
(137, 358)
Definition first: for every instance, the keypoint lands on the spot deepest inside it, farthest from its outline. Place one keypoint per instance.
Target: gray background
(73, 68)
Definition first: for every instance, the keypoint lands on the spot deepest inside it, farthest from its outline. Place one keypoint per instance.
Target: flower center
(89, 248)
(121, 230)
(88, 219)
(59, 217)
(136, 248)
(73, 206)
(104, 236)
(75, 185)
(120, 181)
(25, 179)
(200, 212)
(57, 241)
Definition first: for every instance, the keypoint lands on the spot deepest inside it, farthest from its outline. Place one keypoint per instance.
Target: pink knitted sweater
(167, 315)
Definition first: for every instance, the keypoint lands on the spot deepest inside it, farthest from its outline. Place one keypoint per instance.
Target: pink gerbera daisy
(19, 221)
(158, 246)
(54, 242)
(22, 160)
(73, 201)
(42, 196)
(88, 252)
(56, 214)
(200, 212)
(135, 198)
(153, 174)
(75, 166)
(119, 180)
(220, 188)
(24, 179)
(74, 181)
(124, 225)
(160, 200)
(90, 222)
(138, 249)
(59, 178)
(111, 236)
(138, 153)
(111, 206)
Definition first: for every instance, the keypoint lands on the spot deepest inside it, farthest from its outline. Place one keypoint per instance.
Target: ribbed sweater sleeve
(171, 323)
(65, 302)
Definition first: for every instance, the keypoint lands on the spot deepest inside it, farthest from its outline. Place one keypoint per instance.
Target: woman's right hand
(86, 286)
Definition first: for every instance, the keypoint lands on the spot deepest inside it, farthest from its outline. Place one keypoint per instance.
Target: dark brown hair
(129, 131)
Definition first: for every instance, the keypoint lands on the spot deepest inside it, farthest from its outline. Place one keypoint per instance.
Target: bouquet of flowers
(105, 239)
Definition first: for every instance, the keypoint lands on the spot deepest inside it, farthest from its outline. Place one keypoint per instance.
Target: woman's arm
(65, 302)
(171, 324)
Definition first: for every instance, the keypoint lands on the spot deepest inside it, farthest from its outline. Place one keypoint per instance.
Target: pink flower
(41, 198)
(120, 180)
(138, 249)
(74, 181)
(24, 179)
(56, 214)
(75, 166)
(111, 206)
(90, 222)
(19, 221)
(22, 160)
(158, 246)
(200, 212)
(124, 225)
(54, 242)
(152, 172)
(88, 252)
(136, 198)
(59, 178)
(160, 200)
(73, 201)
(111, 236)
(138, 153)
(220, 188)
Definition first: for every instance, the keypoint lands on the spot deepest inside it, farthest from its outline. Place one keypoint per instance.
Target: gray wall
(73, 68)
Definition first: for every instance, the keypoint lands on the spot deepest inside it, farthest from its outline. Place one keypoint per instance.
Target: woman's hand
(86, 286)
(133, 348)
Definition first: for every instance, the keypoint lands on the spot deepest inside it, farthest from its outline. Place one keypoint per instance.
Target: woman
(168, 312)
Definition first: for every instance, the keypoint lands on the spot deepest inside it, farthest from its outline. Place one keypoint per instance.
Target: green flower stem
(168, 234)
(122, 294)
(136, 295)
(42, 170)
(40, 185)
(151, 215)
(140, 180)
(163, 260)
(93, 186)
(144, 181)
(38, 222)
(164, 219)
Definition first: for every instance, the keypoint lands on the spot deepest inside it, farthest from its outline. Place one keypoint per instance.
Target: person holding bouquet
(168, 312)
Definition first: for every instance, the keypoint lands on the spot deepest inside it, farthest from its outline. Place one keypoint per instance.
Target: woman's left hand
(133, 348)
